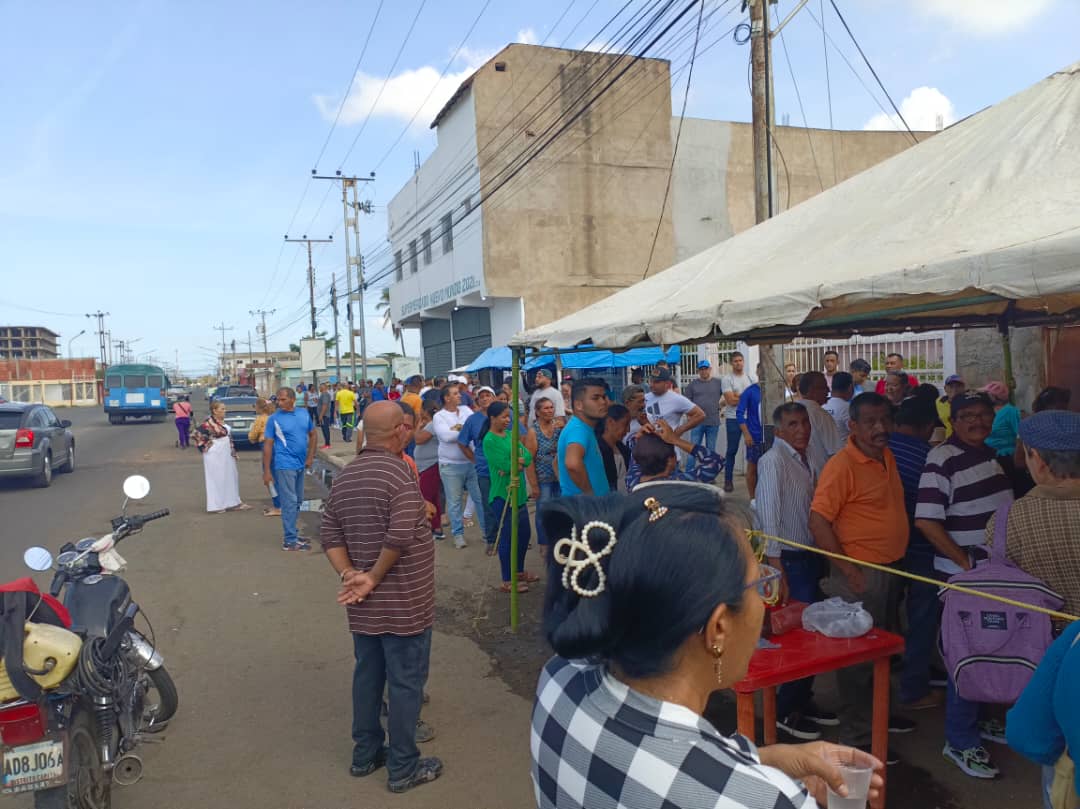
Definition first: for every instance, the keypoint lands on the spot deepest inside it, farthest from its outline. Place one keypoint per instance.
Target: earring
(718, 663)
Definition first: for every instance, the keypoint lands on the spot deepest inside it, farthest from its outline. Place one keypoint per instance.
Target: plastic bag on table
(836, 618)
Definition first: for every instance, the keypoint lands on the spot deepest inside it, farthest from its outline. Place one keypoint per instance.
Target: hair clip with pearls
(576, 555)
(657, 510)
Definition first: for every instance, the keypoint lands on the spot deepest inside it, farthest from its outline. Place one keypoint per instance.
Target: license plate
(33, 766)
(135, 398)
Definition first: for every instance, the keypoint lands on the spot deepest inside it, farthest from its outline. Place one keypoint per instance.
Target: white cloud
(399, 100)
(922, 110)
(527, 36)
(985, 17)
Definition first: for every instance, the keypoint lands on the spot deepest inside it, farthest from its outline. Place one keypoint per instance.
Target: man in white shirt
(733, 386)
(545, 390)
(824, 437)
(843, 388)
(832, 362)
(785, 489)
(663, 403)
(457, 472)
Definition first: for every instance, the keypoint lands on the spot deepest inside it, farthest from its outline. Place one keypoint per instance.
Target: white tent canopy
(978, 222)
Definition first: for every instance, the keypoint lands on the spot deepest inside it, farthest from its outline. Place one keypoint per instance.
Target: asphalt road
(259, 650)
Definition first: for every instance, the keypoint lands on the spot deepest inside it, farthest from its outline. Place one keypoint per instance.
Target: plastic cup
(857, 779)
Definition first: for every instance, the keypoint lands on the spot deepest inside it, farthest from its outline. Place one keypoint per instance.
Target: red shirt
(912, 381)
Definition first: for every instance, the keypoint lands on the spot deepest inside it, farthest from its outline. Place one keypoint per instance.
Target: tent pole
(1006, 351)
(515, 437)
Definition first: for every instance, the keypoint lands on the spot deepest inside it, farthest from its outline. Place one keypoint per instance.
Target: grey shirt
(706, 394)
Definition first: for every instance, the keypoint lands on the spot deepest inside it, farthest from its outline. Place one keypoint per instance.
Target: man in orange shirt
(411, 397)
(858, 510)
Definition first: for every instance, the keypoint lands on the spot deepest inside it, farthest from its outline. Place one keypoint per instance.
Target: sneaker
(326, 446)
(938, 678)
(901, 724)
(439, 534)
(729, 486)
(800, 727)
(993, 731)
(427, 770)
(974, 761)
(298, 546)
(826, 719)
(360, 770)
(935, 699)
(424, 732)
(459, 542)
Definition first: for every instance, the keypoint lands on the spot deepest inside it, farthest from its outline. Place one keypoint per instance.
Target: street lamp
(73, 339)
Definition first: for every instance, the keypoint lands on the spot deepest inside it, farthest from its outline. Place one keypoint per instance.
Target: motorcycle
(85, 687)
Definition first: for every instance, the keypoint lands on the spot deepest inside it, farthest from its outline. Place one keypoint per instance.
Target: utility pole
(223, 328)
(251, 359)
(266, 352)
(311, 287)
(101, 333)
(353, 259)
(337, 339)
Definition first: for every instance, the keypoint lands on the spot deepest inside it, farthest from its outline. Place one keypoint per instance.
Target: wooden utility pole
(311, 288)
(223, 328)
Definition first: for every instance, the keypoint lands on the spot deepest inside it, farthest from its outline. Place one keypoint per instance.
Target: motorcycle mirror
(136, 487)
(38, 559)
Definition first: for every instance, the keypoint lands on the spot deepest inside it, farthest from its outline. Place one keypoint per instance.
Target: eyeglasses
(971, 418)
(767, 584)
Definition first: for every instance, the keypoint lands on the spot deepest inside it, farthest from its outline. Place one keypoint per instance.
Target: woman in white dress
(219, 463)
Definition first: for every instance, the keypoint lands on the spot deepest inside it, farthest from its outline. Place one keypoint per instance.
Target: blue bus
(135, 390)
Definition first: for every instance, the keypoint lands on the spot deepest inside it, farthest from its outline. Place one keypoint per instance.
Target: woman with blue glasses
(654, 601)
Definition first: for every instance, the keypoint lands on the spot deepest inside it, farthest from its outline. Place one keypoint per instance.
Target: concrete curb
(330, 459)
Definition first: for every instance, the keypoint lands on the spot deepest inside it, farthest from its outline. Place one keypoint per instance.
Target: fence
(930, 356)
(77, 392)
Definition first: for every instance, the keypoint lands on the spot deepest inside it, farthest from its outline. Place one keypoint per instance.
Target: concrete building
(28, 343)
(571, 216)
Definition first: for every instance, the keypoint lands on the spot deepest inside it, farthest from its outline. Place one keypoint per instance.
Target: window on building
(425, 239)
(397, 266)
(413, 262)
(448, 233)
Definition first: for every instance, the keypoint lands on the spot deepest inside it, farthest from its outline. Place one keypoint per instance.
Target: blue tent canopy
(500, 357)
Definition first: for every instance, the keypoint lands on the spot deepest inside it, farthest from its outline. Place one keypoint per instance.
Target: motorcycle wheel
(156, 714)
(88, 786)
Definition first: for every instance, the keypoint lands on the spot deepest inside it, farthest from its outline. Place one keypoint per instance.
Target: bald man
(377, 537)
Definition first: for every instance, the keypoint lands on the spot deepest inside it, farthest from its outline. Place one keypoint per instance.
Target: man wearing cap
(859, 370)
(471, 439)
(706, 392)
(954, 386)
(734, 384)
(841, 391)
(1043, 530)
(961, 487)
(662, 403)
(545, 390)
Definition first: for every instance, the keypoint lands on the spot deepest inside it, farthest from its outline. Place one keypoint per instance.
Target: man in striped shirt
(961, 487)
(784, 492)
(377, 536)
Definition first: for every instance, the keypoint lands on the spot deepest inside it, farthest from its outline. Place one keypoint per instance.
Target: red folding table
(804, 654)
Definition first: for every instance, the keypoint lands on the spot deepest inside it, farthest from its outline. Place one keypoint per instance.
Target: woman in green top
(497, 446)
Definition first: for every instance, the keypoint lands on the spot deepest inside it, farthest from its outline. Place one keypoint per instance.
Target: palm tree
(383, 305)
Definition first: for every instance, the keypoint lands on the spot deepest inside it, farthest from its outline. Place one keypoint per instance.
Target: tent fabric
(975, 222)
(494, 357)
(499, 357)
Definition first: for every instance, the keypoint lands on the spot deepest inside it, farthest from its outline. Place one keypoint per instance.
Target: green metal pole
(1006, 350)
(512, 491)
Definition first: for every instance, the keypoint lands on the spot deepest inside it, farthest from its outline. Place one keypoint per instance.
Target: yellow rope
(1061, 616)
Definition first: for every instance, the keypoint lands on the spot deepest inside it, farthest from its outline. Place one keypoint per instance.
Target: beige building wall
(578, 222)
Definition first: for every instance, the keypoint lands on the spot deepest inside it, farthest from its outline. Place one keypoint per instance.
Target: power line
(806, 124)
(828, 86)
(678, 137)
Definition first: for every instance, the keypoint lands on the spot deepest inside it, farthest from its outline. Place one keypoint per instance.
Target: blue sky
(154, 153)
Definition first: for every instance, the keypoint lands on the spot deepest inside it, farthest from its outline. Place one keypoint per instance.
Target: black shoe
(827, 719)
(938, 678)
(360, 770)
(901, 724)
(800, 727)
(439, 534)
(427, 770)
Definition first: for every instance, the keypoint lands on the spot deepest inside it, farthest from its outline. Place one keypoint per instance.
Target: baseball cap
(662, 375)
(482, 389)
(1054, 430)
(544, 372)
(704, 364)
(969, 399)
(952, 379)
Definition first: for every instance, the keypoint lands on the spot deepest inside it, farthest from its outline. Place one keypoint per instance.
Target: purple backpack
(992, 649)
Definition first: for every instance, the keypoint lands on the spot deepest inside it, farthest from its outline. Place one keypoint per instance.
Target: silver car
(34, 443)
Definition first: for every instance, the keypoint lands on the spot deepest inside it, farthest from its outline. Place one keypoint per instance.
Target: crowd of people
(887, 471)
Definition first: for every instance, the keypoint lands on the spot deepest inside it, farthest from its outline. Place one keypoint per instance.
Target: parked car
(232, 391)
(239, 415)
(173, 394)
(34, 443)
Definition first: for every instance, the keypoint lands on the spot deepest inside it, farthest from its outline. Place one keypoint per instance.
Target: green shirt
(497, 452)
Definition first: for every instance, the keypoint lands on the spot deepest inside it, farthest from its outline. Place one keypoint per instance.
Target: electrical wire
(802, 109)
(828, 88)
(678, 137)
(873, 72)
(40, 311)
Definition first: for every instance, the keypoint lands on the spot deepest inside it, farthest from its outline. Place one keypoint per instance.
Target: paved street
(261, 656)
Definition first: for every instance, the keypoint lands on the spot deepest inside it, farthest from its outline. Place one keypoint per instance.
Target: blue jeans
(961, 720)
(489, 517)
(804, 571)
(290, 489)
(549, 490)
(325, 424)
(1047, 785)
(923, 615)
(398, 663)
(734, 437)
(524, 535)
(457, 478)
(705, 435)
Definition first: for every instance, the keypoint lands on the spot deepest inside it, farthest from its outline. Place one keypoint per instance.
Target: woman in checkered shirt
(652, 604)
